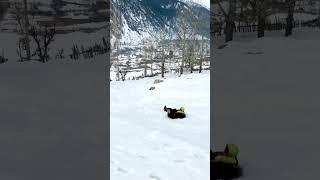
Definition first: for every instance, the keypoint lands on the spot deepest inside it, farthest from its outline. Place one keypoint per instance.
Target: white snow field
(266, 100)
(145, 144)
(53, 121)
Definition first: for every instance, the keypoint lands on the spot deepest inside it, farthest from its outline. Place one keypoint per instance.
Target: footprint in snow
(142, 156)
(179, 161)
(152, 176)
(122, 170)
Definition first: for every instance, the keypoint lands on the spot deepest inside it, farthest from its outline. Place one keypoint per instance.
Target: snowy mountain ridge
(142, 19)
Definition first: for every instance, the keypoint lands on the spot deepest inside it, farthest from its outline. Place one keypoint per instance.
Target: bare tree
(146, 55)
(184, 31)
(43, 37)
(2, 58)
(26, 27)
(18, 13)
(123, 74)
(262, 14)
(153, 51)
(162, 56)
(290, 5)
(116, 34)
(159, 38)
(229, 18)
(202, 49)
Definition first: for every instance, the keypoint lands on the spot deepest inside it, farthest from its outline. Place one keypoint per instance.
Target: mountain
(131, 21)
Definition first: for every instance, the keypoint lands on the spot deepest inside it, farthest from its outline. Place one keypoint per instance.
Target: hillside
(67, 15)
(148, 18)
(266, 101)
(145, 143)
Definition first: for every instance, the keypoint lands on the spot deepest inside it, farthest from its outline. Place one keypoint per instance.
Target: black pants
(173, 113)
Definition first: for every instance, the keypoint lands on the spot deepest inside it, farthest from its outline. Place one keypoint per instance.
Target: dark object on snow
(152, 88)
(222, 46)
(224, 165)
(220, 170)
(3, 60)
(157, 81)
(175, 113)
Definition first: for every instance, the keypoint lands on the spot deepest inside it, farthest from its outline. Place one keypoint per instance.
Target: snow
(71, 7)
(91, 25)
(297, 17)
(71, 15)
(145, 143)
(53, 121)
(267, 102)
(205, 3)
(132, 37)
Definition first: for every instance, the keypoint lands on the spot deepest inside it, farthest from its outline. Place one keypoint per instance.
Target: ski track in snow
(145, 143)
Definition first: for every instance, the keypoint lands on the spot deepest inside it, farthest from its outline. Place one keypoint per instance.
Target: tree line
(254, 12)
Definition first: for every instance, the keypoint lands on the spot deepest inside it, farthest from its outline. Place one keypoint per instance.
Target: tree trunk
(230, 21)
(241, 17)
(191, 60)
(201, 55)
(145, 59)
(319, 16)
(261, 26)
(182, 63)
(117, 63)
(153, 54)
(183, 54)
(261, 18)
(162, 63)
(26, 27)
(145, 68)
(290, 4)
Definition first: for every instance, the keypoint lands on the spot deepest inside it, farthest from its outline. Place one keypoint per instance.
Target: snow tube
(176, 115)
(219, 170)
(179, 114)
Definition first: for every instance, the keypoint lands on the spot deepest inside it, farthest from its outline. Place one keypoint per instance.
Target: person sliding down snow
(175, 113)
(224, 165)
(228, 156)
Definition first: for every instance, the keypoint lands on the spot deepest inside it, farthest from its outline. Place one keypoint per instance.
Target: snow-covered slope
(266, 100)
(145, 143)
(53, 121)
